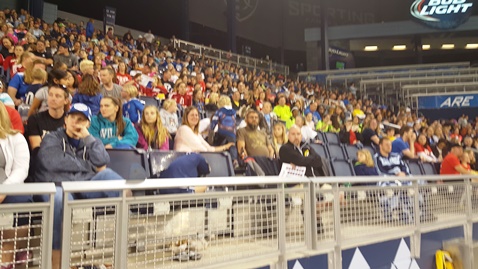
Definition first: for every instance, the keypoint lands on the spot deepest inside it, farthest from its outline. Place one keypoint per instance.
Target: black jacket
(309, 158)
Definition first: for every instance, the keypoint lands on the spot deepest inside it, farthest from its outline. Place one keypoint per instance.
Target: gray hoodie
(59, 161)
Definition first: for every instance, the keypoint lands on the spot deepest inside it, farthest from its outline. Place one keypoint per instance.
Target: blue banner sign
(442, 14)
(448, 101)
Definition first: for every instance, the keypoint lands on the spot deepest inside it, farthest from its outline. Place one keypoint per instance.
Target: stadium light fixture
(371, 48)
(471, 46)
(426, 47)
(399, 47)
(447, 46)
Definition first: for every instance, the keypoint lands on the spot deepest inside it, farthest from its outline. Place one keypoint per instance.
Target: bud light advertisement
(442, 14)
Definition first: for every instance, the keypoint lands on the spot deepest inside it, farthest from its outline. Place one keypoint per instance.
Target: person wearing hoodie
(89, 94)
(72, 154)
(225, 120)
(114, 130)
(132, 108)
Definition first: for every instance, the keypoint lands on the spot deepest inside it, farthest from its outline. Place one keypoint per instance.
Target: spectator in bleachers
(7, 46)
(451, 164)
(18, 85)
(423, 149)
(14, 163)
(39, 77)
(44, 122)
(180, 94)
(388, 162)
(114, 130)
(40, 101)
(64, 56)
(268, 118)
(225, 120)
(298, 153)
(347, 134)
(72, 154)
(279, 136)
(108, 88)
(365, 166)
(405, 144)
(89, 94)
(188, 138)
(313, 110)
(169, 116)
(12, 62)
(251, 141)
(132, 107)
(87, 67)
(122, 74)
(43, 53)
(370, 134)
(282, 111)
(440, 150)
(186, 166)
(151, 132)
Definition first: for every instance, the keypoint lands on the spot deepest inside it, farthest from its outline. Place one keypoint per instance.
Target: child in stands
(132, 108)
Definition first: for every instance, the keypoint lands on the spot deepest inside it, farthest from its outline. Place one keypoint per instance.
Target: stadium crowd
(70, 92)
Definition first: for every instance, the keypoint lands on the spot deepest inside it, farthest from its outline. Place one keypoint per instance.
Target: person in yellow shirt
(282, 111)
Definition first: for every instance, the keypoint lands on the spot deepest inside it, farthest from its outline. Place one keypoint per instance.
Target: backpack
(443, 260)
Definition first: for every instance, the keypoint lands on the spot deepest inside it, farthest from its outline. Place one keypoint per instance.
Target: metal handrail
(240, 60)
(27, 189)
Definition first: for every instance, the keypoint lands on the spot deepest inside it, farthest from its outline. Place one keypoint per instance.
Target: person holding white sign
(301, 154)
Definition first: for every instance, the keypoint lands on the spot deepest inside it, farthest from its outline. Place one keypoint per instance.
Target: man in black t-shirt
(50, 120)
(43, 53)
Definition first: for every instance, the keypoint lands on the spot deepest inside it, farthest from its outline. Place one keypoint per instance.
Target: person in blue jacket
(365, 166)
(90, 29)
(191, 165)
(114, 130)
(132, 108)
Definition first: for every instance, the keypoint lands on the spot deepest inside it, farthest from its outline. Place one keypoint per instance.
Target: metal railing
(355, 74)
(229, 57)
(26, 228)
(274, 221)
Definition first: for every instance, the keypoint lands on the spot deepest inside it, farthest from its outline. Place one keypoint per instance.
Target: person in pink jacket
(151, 132)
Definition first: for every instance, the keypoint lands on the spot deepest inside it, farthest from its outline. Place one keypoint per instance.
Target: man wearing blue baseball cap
(72, 154)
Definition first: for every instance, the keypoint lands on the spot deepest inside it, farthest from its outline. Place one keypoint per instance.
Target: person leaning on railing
(14, 163)
(72, 154)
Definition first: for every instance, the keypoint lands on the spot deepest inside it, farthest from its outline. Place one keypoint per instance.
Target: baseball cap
(81, 108)
(64, 45)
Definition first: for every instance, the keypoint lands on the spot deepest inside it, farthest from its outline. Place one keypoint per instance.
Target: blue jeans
(106, 174)
(19, 221)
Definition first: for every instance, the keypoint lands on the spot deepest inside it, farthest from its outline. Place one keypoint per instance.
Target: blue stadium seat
(321, 137)
(320, 149)
(150, 101)
(342, 168)
(220, 162)
(332, 138)
(129, 163)
(370, 149)
(415, 167)
(351, 151)
(429, 169)
(336, 152)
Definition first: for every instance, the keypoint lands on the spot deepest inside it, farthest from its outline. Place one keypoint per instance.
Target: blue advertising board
(446, 107)
(448, 101)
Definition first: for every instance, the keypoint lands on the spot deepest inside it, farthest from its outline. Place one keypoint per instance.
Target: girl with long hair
(151, 132)
(114, 130)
